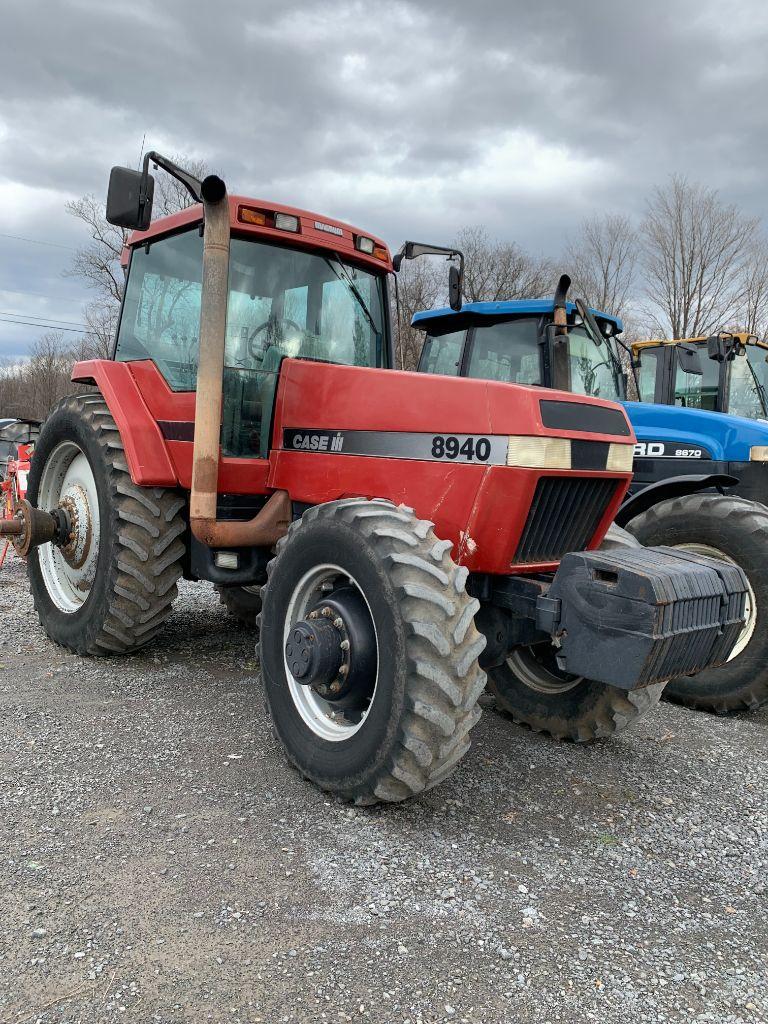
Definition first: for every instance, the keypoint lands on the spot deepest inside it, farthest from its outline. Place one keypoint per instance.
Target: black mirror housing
(454, 288)
(689, 361)
(129, 198)
(716, 348)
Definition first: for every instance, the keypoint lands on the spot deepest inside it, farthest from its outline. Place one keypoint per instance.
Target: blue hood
(727, 437)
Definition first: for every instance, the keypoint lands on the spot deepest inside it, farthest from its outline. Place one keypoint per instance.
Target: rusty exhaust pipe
(272, 521)
(561, 364)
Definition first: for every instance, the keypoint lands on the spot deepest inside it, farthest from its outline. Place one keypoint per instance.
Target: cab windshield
(282, 302)
(748, 383)
(511, 352)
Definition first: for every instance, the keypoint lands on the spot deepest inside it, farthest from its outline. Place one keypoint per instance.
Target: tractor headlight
(758, 453)
(620, 457)
(539, 452)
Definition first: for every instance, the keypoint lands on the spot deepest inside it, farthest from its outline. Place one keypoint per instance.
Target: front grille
(563, 517)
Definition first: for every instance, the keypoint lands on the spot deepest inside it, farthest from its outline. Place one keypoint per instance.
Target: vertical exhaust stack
(561, 364)
(210, 366)
(272, 521)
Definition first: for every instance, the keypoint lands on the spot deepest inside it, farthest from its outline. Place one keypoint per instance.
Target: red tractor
(396, 532)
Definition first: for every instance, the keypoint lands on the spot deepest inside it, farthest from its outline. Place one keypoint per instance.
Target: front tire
(112, 587)
(735, 530)
(535, 693)
(406, 725)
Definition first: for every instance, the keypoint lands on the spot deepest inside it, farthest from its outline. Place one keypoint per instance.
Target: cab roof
(744, 338)
(474, 312)
(316, 231)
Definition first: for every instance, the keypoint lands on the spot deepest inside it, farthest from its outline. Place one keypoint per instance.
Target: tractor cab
(514, 342)
(299, 285)
(725, 373)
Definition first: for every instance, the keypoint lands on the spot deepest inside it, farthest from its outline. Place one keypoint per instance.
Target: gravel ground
(161, 863)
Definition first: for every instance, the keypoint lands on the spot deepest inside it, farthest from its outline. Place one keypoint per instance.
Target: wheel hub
(78, 544)
(333, 650)
(314, 655)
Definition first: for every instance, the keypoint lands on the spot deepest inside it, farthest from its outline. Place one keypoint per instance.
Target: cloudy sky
(406, 118)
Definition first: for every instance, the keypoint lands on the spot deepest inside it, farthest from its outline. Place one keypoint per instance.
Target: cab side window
(646, 375)
(442, 354)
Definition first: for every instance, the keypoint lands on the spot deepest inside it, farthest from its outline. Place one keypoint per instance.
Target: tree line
(692, 264)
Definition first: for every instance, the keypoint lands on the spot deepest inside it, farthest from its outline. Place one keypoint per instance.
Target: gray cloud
(407, 118)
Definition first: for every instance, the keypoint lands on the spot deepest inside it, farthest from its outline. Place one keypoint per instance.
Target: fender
(145, 450)
(673, 487)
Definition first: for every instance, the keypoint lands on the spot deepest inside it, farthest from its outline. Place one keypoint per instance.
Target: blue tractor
(701, 472)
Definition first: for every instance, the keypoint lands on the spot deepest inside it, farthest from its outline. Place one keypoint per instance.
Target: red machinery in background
(17, 441)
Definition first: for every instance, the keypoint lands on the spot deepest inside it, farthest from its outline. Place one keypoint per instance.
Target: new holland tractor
(700, 476)
(401, 531)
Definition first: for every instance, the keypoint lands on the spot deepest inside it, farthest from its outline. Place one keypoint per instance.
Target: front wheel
(535, 693)
(734, 530)
(369, 651)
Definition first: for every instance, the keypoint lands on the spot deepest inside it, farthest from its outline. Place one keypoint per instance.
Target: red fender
(146, 453)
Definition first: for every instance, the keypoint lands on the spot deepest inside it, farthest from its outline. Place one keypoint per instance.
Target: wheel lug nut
(344, 645)
(344, 670)
(326, 612)
(338, 622)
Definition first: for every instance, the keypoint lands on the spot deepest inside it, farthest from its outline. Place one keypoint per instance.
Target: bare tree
(601, 261)
(33, 386)
(695, 248)
(496, 270)
(753, 315)
(420, 285)
(98, 262)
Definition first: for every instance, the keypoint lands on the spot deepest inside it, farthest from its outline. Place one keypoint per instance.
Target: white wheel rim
(68, 573)
(750, 608)
(522, 662)
(321, 716)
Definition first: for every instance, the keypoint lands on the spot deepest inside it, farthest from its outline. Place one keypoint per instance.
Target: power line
(37, 241)
(45, 327)
(49, 319)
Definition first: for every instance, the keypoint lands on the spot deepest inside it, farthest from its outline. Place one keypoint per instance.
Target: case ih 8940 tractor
(401, 531)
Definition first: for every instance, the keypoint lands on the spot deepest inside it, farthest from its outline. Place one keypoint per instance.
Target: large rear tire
(736, 530)
(404, 725)
(535, 693)
(111, 589)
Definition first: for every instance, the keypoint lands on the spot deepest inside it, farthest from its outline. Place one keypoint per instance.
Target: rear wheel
(369, 651)
(531, 688)
(242, 603)
(734, 530)
(110, 589)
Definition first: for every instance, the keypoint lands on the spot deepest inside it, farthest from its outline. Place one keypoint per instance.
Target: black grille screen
(563, 517)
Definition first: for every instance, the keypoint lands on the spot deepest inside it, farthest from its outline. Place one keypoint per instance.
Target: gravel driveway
(161, 863)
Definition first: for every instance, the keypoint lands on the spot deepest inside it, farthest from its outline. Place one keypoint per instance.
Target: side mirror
(716, 348)
(688, 360)
(454, 288)
(129, 198)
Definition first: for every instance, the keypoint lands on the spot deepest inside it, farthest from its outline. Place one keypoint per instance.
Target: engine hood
(725, 437)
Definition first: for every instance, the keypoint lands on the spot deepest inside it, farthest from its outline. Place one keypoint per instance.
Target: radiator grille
(563, 517)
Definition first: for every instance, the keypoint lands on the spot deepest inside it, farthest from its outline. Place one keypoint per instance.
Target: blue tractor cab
(701, 473)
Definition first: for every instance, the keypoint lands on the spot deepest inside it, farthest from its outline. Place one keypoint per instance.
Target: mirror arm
(192, 184)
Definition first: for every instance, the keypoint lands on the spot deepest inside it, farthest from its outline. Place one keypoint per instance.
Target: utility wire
(38, 241)
(49, 319)
(46, 327)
